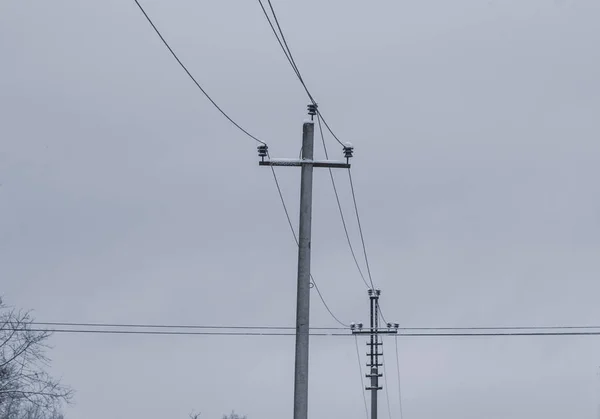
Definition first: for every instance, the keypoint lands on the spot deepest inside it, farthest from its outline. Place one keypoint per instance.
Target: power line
(337, 198)
(170, 326)
(290, 59)
(192, 77)
(362, 238)
(167, 333)
(289, 220)
(385, 383)
(288, 53)
(332, 334)
(238, 126)
(362, 383)
(295, 67)
(399, 382)
(268, 327)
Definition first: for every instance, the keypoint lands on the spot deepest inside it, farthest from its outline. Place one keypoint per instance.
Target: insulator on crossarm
(348, 151)
(263, 151)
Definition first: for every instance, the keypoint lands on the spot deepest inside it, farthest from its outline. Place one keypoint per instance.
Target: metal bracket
(301, 162)
(378, 332)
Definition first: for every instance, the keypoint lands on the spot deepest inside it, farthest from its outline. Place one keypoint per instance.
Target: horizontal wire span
(334, 334)
(263, 327)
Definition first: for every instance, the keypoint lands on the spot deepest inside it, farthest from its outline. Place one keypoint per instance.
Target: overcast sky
(126, 197)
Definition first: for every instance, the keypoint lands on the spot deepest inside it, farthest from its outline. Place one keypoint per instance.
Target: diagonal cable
(192, 77)
(362, 383)
(362, 237)
(288, 53)
(399, 383)
(385, 383)
(339, 205)
(289, 220)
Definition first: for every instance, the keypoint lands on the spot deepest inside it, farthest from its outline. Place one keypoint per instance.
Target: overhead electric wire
(288, 53)
(385, 384)
(173, 333)
(192, 77)
(362, 382)
(362, 237)
(173, 326)
(337, 198)
(290, 60)
(331, 334)
(269, 327)
(289, 220)
(238, 126)
(399, 381)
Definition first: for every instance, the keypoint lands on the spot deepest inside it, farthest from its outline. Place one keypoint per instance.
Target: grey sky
(125, 197)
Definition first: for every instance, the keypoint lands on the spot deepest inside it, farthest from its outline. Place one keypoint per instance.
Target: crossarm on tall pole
(307, 164)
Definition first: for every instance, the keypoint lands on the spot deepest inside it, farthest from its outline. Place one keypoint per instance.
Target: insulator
(312, 109)
(348, 151)
(262, 150)
(389, 325)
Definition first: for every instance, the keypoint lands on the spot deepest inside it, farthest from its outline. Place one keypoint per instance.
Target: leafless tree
(26, 390)
(234, 415)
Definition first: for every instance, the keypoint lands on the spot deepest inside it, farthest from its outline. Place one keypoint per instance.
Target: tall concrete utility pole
(307, 163)
(374, 344)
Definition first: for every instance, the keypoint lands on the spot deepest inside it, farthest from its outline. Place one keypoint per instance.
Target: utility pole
(374, 344)
(307, 163)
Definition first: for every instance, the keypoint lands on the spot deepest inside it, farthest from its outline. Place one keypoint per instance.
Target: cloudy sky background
(126, 197)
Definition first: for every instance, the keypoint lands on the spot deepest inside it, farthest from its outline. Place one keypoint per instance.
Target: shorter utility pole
(374, 344)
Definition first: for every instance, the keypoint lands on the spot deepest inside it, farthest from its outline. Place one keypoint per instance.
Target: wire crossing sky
(125, 199)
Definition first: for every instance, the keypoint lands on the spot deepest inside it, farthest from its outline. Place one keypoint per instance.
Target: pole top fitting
(312, 110)
(263, 151)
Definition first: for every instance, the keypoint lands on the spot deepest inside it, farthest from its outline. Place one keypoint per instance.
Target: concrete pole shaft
(303, 294)
(374, 385)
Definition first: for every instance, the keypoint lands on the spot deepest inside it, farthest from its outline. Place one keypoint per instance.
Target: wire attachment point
(348, 151)
(263, 151)
(312, 110)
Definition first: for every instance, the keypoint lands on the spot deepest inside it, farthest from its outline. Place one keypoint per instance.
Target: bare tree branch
(27, 391)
